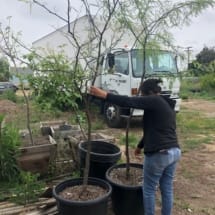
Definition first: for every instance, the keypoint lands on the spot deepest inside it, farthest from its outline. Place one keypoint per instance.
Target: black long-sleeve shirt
(159, 122)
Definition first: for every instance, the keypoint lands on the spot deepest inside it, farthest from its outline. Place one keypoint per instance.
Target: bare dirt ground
(195, 177)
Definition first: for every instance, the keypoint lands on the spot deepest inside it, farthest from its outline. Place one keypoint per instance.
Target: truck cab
(121, 73)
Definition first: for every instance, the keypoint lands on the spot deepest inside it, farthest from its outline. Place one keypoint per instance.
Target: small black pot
(102, 156)
(126, 199)
(98, 206)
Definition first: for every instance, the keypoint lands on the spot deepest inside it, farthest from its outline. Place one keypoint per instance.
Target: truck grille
(166, 93)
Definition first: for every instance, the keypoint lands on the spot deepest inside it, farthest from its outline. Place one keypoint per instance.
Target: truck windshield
(157, 62)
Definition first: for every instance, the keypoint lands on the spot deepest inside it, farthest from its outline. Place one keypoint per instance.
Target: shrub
(9, 143)
(208, 82)
(10, 95)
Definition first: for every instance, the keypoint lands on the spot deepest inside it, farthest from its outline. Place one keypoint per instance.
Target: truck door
(117, 79)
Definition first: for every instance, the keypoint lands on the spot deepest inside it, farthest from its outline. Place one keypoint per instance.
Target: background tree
(10, 45)
(206, 55)
(51, 82)
(4, 70)
(204, 63)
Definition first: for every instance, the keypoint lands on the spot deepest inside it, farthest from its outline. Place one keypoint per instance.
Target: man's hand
(95, 91)
(137, 152)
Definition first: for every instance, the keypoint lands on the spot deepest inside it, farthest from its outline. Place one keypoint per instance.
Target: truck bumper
(177, 105)
(138, 112)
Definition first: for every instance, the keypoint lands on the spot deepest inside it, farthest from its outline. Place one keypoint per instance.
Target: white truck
(121, 68)
(121, 72)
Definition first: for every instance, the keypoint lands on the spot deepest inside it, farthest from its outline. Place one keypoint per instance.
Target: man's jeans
(159, 168)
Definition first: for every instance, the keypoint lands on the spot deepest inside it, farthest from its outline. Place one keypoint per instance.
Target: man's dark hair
(151, 86)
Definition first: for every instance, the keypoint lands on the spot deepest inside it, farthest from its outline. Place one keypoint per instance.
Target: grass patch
(193, 122)
(193, 87)
(133, 140)
(182, 204)
(194, 130)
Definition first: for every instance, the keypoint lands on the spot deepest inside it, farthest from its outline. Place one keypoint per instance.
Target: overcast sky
(35, 23)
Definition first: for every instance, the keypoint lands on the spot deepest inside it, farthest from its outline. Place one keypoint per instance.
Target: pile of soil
(7, 107)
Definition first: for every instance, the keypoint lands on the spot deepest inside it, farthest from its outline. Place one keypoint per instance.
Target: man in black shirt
(159, 141)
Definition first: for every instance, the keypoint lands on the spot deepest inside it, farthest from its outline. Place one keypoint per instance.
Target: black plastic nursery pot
(97, 206)
(126, 200)
(103, 155)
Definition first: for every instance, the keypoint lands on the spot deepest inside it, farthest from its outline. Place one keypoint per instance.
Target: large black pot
(126, 199)
(98, 206)
(102, 156)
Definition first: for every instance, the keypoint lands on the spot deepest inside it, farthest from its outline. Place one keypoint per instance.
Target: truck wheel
(112, 115)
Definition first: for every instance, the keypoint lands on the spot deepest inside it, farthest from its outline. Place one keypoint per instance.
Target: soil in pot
(102, 156)
(71, 199)
(127, 194)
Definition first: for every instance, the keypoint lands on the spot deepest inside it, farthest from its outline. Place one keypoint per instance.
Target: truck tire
(112, 115)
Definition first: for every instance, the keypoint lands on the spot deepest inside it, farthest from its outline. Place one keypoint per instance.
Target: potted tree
(88, 50)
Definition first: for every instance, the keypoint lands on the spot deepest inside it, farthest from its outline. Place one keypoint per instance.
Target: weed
(9, 144)
(9, 95)
(194, 129)
(182, 204)
(29, 189)
(133, 140)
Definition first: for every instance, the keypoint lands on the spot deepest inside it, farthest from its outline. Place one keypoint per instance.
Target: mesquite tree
(150, 23)
(87, 51)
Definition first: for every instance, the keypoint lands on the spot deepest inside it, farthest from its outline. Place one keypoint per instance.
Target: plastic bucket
(126, 198)
(97, 206)
(102, 156)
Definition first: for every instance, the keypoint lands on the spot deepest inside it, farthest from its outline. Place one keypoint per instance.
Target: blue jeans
(159, 169)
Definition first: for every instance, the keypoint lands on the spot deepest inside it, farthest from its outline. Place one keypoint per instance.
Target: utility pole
(188, 50)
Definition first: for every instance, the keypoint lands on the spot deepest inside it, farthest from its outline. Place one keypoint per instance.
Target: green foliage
(151, 21)
(132, 140)
(190, 86)
(208, 82)
(193, 122)
(9, 95)
(204, 63)
(206, 56)
(9, 144)
(79, 118)
(24, 189)
(197, 69)
(76, 174)
(198, 87)
(195, 129)
(56, 85)
(29, 188)
(4, 70)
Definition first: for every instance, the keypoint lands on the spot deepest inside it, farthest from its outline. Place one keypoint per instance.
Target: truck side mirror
(111, 60)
